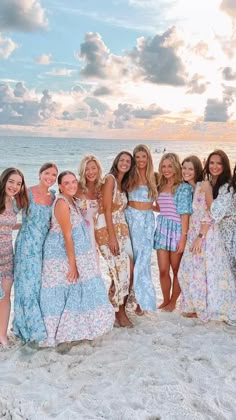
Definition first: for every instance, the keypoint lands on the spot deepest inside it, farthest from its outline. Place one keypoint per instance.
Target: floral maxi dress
(206, 280)
(72, 311)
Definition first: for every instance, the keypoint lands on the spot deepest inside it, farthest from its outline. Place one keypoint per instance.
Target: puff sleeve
(183, 198)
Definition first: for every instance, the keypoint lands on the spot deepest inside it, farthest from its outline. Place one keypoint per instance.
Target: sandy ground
(166, 367)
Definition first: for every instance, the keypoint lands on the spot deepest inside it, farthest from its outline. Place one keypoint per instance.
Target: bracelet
(185, 233)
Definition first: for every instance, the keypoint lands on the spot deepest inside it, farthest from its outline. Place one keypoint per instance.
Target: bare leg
(174, 262)
(5, 308)
(163, 259)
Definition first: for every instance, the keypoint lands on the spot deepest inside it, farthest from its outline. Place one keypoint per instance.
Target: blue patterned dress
(73, 311)
(28, 322)
(141, 227)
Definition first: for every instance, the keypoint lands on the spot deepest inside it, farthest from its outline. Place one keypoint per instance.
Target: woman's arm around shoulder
(207, 189)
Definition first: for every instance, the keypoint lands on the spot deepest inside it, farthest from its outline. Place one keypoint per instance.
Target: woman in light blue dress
(73, 297)
(140, 219)
(28, 322)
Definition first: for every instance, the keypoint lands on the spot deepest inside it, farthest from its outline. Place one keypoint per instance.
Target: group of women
(59, 293)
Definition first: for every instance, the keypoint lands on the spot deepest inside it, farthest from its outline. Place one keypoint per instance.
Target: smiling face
(13, 185)
(141, 160)
(215, 166)
(48, 177)
(188, 172)
(68, 185)
(124, 163)
(91, 172)
(167, 169)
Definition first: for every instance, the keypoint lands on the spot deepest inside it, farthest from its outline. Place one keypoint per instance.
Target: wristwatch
(200, 235)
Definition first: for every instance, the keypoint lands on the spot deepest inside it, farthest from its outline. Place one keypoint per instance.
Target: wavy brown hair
(232, 184)
(174, 159)
(127, 176)
(222, 178)
(198, 168)
(46, 166)
(150, 177)
(22, 199)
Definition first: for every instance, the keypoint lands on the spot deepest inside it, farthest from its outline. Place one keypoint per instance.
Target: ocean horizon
(29, 153)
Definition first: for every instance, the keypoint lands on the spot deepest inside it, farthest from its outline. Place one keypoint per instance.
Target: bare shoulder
(61, 205)
(109, 180)
(79, 192)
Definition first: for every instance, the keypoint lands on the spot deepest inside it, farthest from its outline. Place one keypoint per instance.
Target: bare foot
(163, 305)
(139, 311)
(189, 314)
(123, 321)
(170, 307)
(4, 341)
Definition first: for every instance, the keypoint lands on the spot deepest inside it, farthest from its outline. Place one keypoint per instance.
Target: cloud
(96, 106)
(216, 110)
(127, 112)
(229, 74)
(157, 59)
(22, 15)
(61, 72)
(19, 107)
(20, 90)
(229, 6)
(99, 62)
(195, 85)
(44, 59)
(94, 52)
(102, 91)
(7, 46)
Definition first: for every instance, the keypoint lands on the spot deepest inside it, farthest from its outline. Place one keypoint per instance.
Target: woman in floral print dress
(28, 323)
(12, 191)
(206, 280)
(112, 234)
(73, 299)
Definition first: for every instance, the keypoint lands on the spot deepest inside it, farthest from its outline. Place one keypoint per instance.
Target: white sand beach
(166, 367)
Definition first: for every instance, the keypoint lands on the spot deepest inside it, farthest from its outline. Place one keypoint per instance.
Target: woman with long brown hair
(13, 197)
(206, 279)
(112, 234)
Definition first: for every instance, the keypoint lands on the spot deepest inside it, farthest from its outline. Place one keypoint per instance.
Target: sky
(128, 69)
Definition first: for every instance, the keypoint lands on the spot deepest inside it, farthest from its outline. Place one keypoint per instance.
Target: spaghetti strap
(115, 186)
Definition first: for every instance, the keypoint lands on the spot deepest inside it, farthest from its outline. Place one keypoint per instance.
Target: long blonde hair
(82, 179)
(174, 159)
(151, 183)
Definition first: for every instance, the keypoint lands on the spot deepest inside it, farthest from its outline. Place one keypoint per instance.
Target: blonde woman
(88, 191)
(139, 215)
(175, 205)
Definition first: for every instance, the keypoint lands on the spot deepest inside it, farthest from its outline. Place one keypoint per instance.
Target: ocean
(29, 153)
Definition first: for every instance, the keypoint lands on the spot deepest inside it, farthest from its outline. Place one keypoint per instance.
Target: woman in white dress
(88, 192)
(223, 211)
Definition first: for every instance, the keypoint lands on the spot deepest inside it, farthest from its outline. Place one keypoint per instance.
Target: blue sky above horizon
(143, 69)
